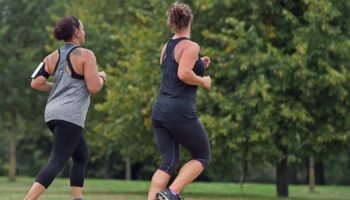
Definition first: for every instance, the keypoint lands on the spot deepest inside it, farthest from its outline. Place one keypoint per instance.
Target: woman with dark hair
(76, 75)
(174, 117)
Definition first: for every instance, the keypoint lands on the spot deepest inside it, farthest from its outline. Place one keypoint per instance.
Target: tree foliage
(279, 69)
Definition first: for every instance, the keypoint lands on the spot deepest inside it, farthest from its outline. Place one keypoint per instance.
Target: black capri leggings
(68, 141)
(190, 135)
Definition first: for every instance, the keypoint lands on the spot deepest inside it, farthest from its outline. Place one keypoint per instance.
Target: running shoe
(166, 194)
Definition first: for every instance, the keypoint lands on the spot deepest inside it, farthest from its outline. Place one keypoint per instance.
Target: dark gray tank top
(176, 100)
(69, 99)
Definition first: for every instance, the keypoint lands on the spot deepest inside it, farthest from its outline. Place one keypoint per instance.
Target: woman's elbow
(94, 89)
(182, 76)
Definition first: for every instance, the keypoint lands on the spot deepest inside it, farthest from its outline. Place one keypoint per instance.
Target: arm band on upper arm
(40, 71)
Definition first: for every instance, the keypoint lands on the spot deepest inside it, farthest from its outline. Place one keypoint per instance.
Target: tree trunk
(106, 168)
(127, 169)
(244, 163)
(12, 147)
(244, 172)
(282, 174)
(319, 173)
(311, 174)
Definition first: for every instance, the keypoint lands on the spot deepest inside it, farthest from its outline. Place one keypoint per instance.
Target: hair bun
(65, 28)
(58, 33)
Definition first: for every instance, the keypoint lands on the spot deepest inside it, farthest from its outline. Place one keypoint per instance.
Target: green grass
(97, 189)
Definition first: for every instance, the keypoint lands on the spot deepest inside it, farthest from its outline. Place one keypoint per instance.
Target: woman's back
(176, 101)
(70, 98)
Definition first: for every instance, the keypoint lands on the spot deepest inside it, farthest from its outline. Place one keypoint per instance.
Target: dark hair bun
(58, 33)
(65, 27)
(179, 16)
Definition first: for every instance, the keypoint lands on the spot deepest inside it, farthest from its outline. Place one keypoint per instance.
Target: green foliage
(279, 69)
(279, 77)
(23, 38)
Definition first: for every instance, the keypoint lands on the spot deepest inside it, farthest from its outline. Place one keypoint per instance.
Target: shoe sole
(160, 196)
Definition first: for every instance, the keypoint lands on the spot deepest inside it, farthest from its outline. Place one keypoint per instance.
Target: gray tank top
(69, 99)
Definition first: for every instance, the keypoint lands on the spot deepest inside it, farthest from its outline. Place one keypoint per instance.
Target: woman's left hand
(206, 61)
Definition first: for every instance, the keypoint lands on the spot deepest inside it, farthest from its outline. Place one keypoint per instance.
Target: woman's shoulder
(83, 53)
(86, 52)
(190, 45)
(52, 57)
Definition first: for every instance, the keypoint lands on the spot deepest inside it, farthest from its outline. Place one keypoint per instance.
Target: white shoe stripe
(163, 196)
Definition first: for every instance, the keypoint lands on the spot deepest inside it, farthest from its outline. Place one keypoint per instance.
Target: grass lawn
(97, 189)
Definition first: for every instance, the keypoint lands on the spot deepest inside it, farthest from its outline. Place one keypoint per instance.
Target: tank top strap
(58, 60)
(171, 44)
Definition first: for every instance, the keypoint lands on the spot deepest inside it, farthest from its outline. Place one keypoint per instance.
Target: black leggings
(190, 135)
(68, 141)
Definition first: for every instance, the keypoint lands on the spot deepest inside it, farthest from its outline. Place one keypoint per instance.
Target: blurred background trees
(278, 109)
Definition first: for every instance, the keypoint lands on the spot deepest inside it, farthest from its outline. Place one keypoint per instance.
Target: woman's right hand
(206, 82)
(103, 74)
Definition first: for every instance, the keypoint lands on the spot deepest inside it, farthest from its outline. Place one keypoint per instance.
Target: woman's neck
(183, 33)
(72, 42)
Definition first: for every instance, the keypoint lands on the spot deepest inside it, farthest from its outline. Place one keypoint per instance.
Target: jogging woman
(174, 117)
(75, 76)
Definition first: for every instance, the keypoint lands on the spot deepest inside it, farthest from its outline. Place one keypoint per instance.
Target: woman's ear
(76, 33)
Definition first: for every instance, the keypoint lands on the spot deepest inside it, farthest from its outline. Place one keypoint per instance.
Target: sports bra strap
(74, 74)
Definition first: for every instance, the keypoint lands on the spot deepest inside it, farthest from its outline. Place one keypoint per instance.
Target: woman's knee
(204, 159)
(169, 166)
(83, 158)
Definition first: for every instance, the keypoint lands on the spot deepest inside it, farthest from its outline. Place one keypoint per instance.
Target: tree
(279, 66)
(321, 48)
(22, 38)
